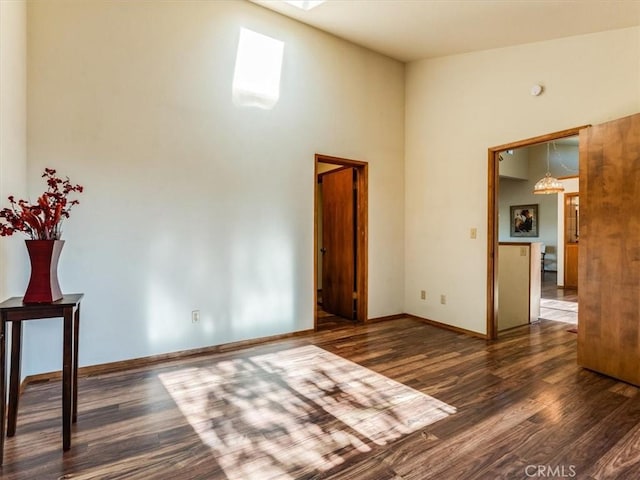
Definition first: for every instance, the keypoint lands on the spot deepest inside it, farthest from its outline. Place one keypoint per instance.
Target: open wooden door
(609, 255)
(339, 242)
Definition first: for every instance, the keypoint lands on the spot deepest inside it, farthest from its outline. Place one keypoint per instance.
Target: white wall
(458, 107)
(192, 202)
(13, 138)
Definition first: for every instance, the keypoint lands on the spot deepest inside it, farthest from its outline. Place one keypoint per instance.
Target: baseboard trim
(387, 318)
(444, 326)
(113, 367)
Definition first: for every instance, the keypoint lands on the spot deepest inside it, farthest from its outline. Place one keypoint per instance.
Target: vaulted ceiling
(414, 29)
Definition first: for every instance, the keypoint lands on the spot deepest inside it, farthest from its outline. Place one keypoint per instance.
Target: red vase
(43, 284)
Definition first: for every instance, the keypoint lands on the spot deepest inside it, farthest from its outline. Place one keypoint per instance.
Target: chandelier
(548, 184)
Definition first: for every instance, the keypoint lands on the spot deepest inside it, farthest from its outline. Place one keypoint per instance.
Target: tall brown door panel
(609, 255)
(571, 265)
(571, 238)
(338, 242)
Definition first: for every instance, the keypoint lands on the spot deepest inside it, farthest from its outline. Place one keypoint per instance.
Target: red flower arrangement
(42, 220)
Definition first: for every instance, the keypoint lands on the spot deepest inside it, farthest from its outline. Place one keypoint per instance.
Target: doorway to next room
(552, 231)
(533, 232)
(341, 242)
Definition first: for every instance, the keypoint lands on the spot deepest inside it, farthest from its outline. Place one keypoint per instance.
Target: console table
(13, 310)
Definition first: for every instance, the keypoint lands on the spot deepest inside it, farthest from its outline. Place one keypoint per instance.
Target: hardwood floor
(558, 304)
(551, 291)
(517, 406)
(330, 321)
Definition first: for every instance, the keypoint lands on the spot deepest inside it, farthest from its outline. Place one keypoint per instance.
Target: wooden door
(571, 265)
(338, 242)
(571, 237)
(609, 256)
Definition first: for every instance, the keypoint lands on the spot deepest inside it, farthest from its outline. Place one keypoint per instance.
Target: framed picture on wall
(524, 220)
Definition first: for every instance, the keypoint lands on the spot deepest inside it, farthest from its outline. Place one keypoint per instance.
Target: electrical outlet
(423, 295)
(195, 316)
(443, 299)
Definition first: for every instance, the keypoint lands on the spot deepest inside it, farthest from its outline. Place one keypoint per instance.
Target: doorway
(340, 242)
(494, 157)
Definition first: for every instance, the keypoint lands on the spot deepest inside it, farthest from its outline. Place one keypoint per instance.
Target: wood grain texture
(551, 290)
(338, 242)
(609, 255)
(272, 403)
(16, 311)
(571, 265)
(362, 243)
(571, 245)
(145, 362)
(519, 401)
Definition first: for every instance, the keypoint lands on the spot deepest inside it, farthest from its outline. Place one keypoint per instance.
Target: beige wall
(13, 138)
(192, 202)
(459, 106)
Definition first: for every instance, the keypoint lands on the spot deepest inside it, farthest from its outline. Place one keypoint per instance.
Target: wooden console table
(13, 310)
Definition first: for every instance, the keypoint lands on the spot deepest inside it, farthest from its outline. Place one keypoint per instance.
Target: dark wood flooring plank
(519, 401)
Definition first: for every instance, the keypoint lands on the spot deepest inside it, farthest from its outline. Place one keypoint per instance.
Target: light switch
(473, 233)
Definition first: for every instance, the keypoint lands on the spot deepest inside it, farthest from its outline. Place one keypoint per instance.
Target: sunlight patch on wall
(263, 286)
(163, 305)
(173, 292)
(256, 79)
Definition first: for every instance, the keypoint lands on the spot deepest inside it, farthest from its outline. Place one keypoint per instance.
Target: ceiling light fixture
(305, 4)
(548, 184)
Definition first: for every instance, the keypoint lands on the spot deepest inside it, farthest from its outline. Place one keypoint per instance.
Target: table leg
(67, 362)
(3, 380)
(14, 377)
(76, 336)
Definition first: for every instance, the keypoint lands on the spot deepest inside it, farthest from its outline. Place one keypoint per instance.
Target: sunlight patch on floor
(559, 310)
(298, 411)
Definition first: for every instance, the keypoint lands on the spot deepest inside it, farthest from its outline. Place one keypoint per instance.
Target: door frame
(362, 234)
(492, 218)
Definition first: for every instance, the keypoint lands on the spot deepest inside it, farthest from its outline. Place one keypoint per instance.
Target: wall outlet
(195, 316)
(443, 299)
(423, 295)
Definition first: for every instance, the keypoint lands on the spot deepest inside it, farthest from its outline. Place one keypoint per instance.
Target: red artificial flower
(42, 220)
